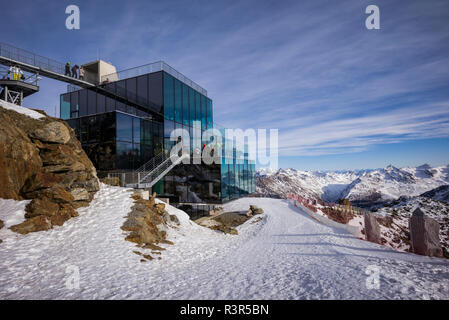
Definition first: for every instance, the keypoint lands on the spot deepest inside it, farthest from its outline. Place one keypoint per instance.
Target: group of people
(74, 71)
(15, 73)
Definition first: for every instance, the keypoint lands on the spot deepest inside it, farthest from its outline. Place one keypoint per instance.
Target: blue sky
(341, 96)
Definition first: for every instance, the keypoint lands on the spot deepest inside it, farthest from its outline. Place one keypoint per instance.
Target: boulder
(39, 223)
(255, 210)
(425, 235)
(19, 157)
(54, 132)
(1, 224)
(43, 206)
(372, 228)
(79, 194)
(42, 160)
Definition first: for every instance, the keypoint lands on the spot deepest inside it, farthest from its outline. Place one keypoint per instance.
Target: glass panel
(142, 89)
(121, 88)
(74, 106)
(83, 103)
(203, 112)
(197, 107)
(209, 113)
(169, 126)
(110, 104)
(178, 101)
(64, 106)
(108, 127)
(137, 159)
(84, 129)
(185, 105)
(169, 99)
(124, 155)
(131, 89)
(155, 90)
(94, 132)
(192, 106)
(101, 103)
(136, 130)
(91, 102)
(145, 132)
(124, 127)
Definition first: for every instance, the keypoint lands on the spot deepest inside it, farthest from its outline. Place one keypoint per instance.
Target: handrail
(153, 67)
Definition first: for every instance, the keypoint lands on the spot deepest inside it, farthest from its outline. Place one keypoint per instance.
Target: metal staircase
(151, 172)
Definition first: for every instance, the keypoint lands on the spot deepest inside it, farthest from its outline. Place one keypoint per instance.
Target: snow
(282, 254)
(11, 213)
(28, 112)
(379, 185)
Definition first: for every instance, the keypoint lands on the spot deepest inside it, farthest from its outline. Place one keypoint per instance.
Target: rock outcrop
(424, 235)
(147, 223)
(42, 160)
(372, 228)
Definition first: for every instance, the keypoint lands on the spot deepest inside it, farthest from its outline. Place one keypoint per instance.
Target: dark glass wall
(182, 106)
(138, 140)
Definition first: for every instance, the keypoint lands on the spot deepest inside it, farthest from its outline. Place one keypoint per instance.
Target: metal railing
(149, 68)
(31, 58)
(148, 174)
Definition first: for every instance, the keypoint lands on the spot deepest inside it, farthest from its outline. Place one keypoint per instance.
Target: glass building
(120, 135)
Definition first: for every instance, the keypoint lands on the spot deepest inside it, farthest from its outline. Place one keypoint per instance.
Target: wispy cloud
(308, 68)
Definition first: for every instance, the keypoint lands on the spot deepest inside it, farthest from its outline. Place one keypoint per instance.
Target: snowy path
(287, 255)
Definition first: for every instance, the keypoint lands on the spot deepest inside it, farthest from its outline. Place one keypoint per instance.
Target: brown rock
(79, 194)
(1, 224)
(19, 157)
(55, 132)
(42, 160)
(39, 223)
(41, 180)
(39, 207)
(160, 208)
(148, 257)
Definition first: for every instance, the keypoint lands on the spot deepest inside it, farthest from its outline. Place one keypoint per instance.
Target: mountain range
(370, 188)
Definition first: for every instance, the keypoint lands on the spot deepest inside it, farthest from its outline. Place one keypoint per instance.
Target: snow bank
(286, 255)
(28, 112)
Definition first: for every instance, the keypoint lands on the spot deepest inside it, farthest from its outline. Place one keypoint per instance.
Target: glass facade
(120, 137)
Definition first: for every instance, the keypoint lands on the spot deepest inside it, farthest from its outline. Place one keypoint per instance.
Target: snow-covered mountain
(366, 188)
(433, 203)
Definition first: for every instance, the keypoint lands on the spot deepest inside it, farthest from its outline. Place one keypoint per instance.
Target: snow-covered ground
(285, 255)
(28, 112)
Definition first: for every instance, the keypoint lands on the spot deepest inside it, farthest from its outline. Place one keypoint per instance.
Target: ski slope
(284, 255)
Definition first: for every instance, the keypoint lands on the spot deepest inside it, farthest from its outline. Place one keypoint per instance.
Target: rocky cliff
(42, 160)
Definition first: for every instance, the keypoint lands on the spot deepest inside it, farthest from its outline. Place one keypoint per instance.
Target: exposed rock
(39, 207)
(41, 160)
(372, 228)
(79, 194)
(425, 235)
(147, 223)
(55, 132)
(253, 210)
(1, 224)
(39, 223)
(112, 181)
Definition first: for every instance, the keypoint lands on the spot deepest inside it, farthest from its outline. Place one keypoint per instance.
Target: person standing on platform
(74, 71)
(81, 73)
(67, 69)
